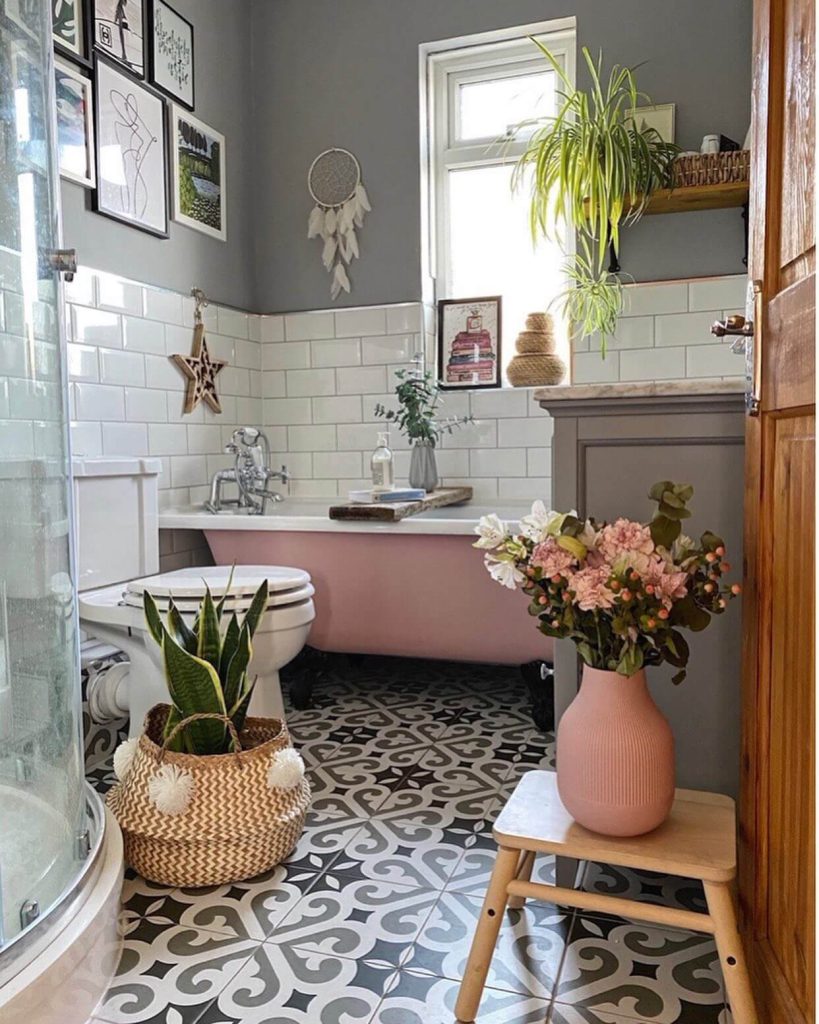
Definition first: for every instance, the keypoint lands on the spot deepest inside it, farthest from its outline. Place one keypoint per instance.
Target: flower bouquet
(622, 592)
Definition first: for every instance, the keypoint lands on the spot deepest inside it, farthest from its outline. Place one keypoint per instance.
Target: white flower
(491, 532)
(505, 573)
(170, 789)
(541, 523)
(124, 758)
(286, 769)
(588, 536)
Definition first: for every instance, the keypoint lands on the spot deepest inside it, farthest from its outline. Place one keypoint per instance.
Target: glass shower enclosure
(49, 820)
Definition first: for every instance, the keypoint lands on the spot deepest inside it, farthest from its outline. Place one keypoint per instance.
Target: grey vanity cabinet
(610, 444)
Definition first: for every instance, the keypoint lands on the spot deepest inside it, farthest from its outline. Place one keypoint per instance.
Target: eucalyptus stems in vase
(417, 418)
(591, 169)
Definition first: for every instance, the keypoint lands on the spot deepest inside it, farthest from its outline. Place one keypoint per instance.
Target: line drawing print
(135, 140)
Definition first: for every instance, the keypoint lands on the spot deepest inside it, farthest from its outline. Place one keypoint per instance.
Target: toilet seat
(120, 605)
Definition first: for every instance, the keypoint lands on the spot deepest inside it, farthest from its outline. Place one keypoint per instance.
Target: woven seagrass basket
(235, 825)
(535, 370)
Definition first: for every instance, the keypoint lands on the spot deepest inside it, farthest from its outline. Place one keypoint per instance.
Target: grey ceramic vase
(423, 470)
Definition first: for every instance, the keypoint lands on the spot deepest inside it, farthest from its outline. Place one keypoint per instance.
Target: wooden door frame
(786, 319)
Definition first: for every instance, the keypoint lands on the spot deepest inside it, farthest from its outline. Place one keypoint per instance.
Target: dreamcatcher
(334, 180)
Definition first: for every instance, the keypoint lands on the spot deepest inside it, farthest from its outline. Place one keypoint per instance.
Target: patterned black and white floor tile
(370, 918)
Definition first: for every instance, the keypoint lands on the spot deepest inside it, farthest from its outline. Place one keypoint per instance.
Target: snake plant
(593, 168)
(206, 668)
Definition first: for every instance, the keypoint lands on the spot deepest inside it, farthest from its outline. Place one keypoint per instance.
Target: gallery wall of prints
(128, 131)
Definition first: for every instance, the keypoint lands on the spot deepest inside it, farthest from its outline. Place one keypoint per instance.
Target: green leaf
(180, 744)
(238, 666)
(153, 618)
(586, 652)
(229, 645)
(221, 603)
(180, 630)
(195, 688)
(238, 712)
(658, 489)
(689, 614)
(257, 607)
(631, 660)
(678, 677)
(209, 647)
(664, 531)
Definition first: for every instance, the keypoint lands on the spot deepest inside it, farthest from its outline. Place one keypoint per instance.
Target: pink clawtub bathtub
(416, 588)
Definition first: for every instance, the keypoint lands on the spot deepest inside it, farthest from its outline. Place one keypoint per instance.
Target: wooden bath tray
(394, 512)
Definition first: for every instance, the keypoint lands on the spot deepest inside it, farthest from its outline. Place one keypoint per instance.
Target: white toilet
(117, 519)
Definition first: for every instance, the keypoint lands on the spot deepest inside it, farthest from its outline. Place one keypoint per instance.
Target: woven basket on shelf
(535, 370)
(536, 362)
(235, 825)
(712, 168)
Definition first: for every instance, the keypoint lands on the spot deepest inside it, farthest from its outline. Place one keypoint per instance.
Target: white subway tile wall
(126, 396)
(665, 333)
(313, 381)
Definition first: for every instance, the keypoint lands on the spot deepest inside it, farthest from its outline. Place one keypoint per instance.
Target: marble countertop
(641, 389)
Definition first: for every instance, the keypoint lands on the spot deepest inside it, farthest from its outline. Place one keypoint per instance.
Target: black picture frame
(84, 59)
(162, 137)
(445, 347)
(100, 48)
(152, 59)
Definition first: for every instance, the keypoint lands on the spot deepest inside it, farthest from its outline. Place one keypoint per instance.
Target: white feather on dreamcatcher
(334, 181)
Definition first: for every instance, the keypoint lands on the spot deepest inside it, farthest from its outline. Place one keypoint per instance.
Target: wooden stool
(697, 841)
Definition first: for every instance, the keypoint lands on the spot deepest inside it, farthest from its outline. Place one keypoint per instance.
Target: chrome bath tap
(251, 474)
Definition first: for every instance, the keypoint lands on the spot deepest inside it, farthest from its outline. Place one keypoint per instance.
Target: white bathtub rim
(312, 517)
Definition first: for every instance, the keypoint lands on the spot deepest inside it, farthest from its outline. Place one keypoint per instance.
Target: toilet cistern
(251, 473)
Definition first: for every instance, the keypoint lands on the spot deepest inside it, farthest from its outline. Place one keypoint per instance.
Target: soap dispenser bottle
(382, 466)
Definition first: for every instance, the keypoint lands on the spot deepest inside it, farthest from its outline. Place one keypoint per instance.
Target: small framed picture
(70, 30)
(119, 32)
(660, 117)
(198, 175)
(171, 38)
(469, 343)
(131, 149)
(75, 124)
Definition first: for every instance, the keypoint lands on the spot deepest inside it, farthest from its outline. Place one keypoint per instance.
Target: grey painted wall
(329, 73)
(223, 92)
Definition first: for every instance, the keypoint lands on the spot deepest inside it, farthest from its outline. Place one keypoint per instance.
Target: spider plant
(592, 167)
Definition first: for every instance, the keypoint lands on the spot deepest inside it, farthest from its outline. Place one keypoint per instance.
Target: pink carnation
(551, 558)
(590, 586)
(624, 537)
(669, 586)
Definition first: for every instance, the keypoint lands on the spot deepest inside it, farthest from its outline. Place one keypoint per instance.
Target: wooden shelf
(687, 198)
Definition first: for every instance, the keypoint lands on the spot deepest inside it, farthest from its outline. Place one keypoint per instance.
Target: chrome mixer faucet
(251, 473)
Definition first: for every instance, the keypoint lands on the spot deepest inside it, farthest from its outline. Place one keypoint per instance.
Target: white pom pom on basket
(233, 826)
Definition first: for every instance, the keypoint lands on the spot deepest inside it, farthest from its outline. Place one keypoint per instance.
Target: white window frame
(445, 66)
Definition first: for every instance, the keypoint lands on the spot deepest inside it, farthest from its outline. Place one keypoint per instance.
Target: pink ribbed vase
(615, 756)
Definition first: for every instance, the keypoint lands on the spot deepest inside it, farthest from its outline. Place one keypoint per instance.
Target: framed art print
(198, 175)
(659, 116)
(119, 32)
(70, 29)
(171, 42)
(131, 148)
(75, 124)
(469, 343)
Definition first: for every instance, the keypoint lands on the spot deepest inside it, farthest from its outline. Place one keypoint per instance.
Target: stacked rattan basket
(536, 362)
(238, 823)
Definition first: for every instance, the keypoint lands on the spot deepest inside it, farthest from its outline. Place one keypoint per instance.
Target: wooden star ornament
(201, 371)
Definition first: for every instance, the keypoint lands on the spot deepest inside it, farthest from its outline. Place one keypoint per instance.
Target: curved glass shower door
(42, 798)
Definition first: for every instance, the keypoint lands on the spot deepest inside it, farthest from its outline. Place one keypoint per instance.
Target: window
(480, 243)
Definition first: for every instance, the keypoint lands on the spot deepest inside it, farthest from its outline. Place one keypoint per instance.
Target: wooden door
(777, 798)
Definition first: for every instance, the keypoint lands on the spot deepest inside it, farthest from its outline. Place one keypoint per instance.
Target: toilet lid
(237, 603)
(190, 583)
